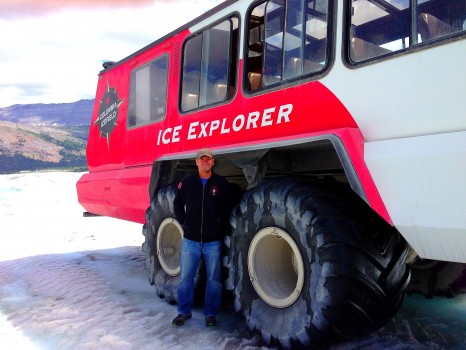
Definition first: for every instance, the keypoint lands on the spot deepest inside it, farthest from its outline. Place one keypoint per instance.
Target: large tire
(160, 222)
(163, 235)
(437, 278)
(310, 264)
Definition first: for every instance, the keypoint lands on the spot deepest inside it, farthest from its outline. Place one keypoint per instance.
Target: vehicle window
(381, 27)
(287, 39)
(436, 19)
(209, 64)
(148, 93)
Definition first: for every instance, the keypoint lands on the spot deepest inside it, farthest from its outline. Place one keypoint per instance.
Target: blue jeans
(190, 256)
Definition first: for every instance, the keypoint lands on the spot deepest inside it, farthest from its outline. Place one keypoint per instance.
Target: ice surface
(68, 282)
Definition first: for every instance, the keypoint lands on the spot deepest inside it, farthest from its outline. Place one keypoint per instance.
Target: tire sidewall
(258, 210)
(161, 208)
(345, 251)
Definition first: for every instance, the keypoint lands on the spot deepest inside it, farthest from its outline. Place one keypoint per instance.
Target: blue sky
(52, 50)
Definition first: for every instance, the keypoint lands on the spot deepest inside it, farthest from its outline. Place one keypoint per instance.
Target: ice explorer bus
(341, 126)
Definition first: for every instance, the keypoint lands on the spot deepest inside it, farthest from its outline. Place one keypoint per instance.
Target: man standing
(202, 205)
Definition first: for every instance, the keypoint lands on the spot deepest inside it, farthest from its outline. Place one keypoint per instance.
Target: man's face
(205, 164)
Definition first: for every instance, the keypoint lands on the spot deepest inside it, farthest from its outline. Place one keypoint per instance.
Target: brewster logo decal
(108, 113)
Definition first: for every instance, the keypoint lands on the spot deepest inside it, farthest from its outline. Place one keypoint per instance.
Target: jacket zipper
(202, 211)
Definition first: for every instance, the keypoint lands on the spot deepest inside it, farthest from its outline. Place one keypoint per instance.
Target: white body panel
(415, 94)
(422, 183)
(411, 110)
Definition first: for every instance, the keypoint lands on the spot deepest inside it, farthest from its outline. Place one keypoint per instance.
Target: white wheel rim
(276, 267)
(169, 239)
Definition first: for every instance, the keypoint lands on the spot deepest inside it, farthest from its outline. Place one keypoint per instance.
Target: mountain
(28, 148)
(44, 136)
(75, 113)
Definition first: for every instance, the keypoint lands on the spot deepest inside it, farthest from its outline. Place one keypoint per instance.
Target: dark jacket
(203, 211)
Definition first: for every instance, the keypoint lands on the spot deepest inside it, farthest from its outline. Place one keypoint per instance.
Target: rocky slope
(44, 136)
(27, 147)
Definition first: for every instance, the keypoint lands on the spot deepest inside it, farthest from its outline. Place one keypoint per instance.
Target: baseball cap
(204, 152)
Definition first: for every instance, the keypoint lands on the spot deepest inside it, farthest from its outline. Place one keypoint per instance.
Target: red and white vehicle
(342, 128)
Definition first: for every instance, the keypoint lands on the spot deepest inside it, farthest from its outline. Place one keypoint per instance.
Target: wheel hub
(169, 239)
(276, 267)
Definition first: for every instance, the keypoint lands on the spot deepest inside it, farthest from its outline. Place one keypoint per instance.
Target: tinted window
(148, 93)
(287, 39)
(209, 62)
(381, 27)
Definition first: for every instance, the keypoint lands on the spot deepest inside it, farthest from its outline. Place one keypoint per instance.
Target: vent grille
(176, 61)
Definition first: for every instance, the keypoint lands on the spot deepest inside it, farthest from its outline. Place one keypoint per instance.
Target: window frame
(232, 68)
(413, 48)
(147, 64)
(298, 79)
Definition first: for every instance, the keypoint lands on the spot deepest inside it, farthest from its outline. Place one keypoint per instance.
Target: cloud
(21, 92)
(26, 89)
(26, 8)
(63, 50)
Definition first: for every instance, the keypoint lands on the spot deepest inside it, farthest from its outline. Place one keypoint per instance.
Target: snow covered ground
(68, 282)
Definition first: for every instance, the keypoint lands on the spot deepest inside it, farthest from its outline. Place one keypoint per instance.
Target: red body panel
(120, 162)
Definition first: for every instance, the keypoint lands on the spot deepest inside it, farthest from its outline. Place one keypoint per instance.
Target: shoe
(180, 319)
(210, 321)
